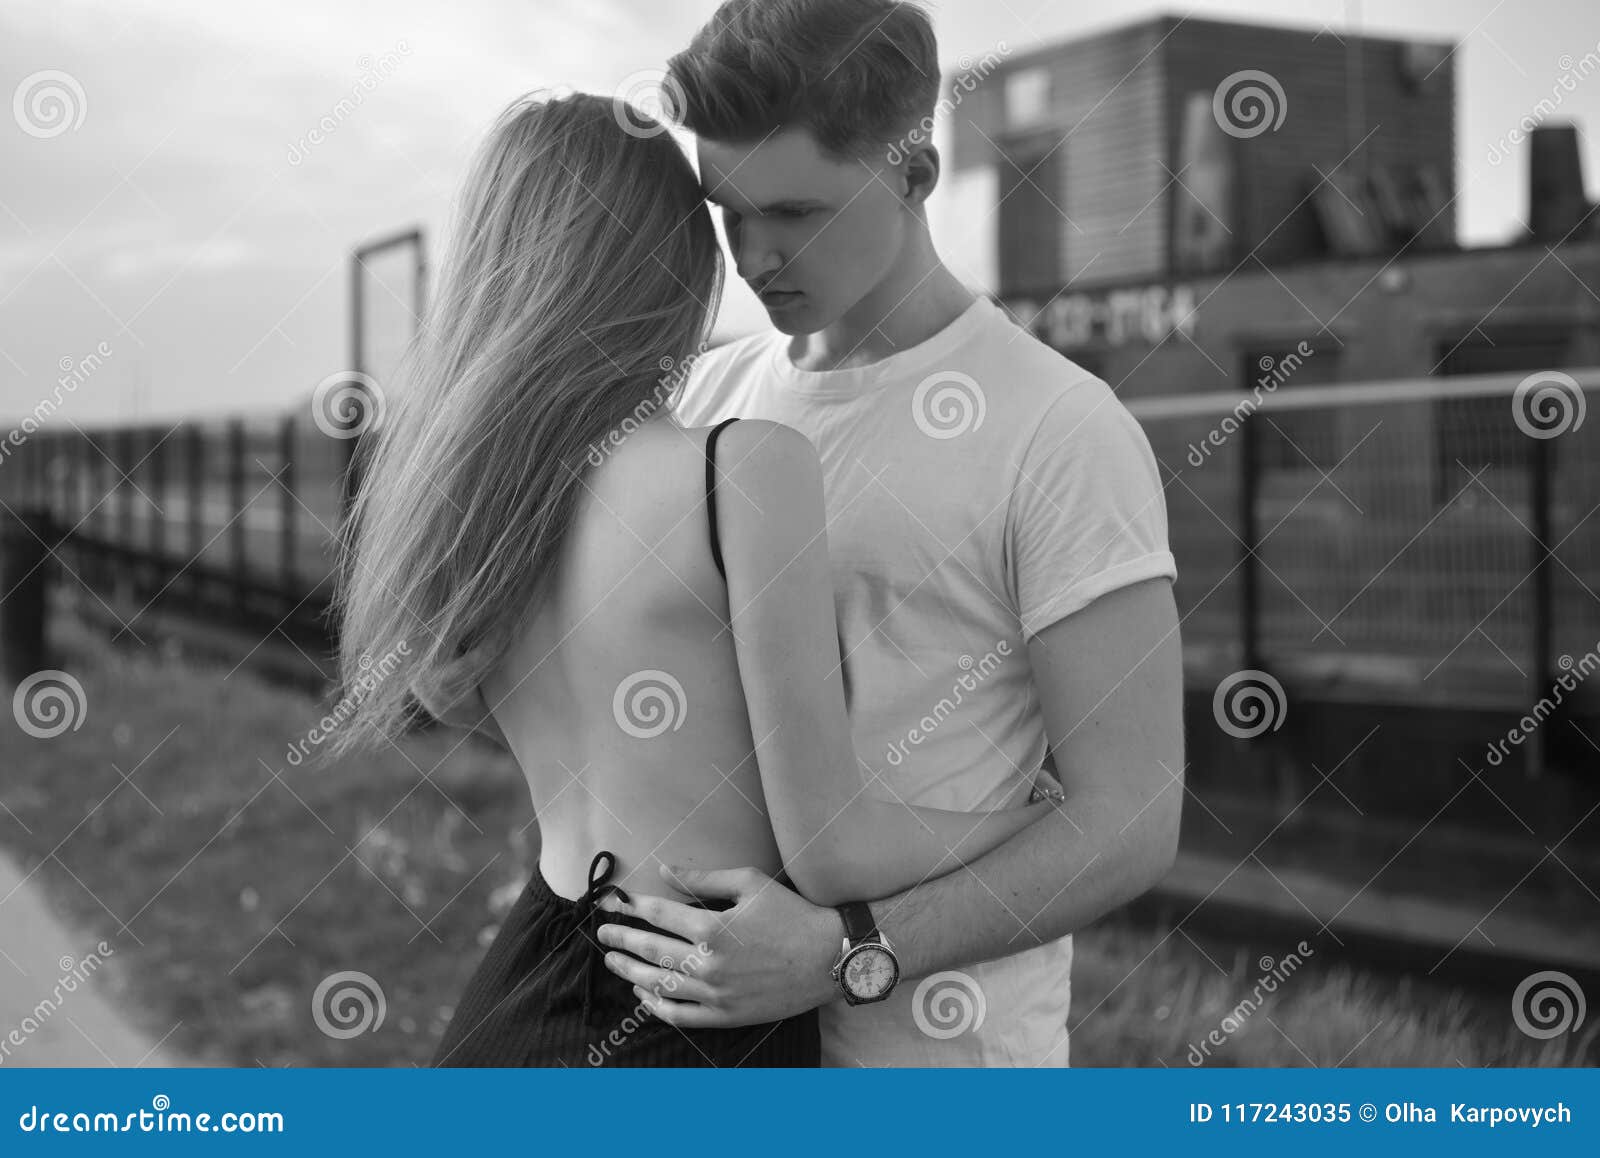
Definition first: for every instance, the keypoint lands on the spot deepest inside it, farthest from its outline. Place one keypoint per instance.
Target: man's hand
(768, 957)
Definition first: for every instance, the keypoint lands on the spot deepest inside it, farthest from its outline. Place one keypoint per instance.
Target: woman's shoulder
(756, 458)
(760, 447)
(769, 483)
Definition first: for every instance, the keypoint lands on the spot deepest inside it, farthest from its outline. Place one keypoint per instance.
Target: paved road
(39, 959)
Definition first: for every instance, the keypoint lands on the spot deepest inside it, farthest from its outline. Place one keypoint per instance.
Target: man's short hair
(857, 73)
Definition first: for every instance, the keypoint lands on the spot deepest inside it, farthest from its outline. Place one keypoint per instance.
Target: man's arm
(1111, 680)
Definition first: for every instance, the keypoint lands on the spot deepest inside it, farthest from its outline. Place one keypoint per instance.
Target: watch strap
(859, 925)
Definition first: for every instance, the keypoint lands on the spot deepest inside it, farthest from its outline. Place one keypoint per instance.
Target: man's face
(811, 235)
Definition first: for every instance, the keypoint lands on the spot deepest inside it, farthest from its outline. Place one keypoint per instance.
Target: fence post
(196, 483)
(93, 562)
(288, 512)
(156, 475)
(1543, 597)
(1249, 541)
(33, 476)
(241, 559)
(124, 447)
(24, 579)
(349, 483)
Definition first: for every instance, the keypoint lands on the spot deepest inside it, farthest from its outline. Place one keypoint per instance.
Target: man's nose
(755, 259)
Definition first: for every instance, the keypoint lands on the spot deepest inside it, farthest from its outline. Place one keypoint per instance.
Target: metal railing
(1415, 540)
(1431, 541)
(232, 518)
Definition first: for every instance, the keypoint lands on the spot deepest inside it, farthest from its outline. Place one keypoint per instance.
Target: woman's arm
(838, 843)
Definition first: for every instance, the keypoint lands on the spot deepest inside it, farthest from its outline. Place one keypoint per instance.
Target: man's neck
(904, 310)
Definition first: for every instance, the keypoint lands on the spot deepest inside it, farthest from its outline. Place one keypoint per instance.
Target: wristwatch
(867, 969)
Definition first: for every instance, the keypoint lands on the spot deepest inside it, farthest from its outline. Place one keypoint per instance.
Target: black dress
(542, 996)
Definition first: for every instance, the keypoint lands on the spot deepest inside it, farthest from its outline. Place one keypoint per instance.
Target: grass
(1143, 997)
(232, 884)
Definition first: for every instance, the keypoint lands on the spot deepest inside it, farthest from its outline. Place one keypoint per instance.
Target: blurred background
(1342, 263)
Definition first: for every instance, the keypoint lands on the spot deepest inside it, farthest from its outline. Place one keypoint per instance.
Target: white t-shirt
(979, 487)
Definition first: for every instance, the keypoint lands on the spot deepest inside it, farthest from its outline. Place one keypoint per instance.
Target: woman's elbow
(840, 861)
(823, 881)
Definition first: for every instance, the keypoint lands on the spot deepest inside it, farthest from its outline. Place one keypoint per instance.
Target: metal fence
(1429, 540)
(1415, 541)
(232, 518)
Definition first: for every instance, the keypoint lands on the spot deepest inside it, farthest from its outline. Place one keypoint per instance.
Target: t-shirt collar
(857, 380)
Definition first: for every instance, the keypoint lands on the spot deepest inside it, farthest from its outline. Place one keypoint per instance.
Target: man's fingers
(736, 883)
(686, 921)
(653, 978)
(686, 1014)
(667, 952)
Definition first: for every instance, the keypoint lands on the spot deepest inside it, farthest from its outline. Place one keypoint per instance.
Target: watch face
(870, 973)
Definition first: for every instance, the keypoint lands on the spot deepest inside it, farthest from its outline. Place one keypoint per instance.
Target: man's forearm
(1053, 878)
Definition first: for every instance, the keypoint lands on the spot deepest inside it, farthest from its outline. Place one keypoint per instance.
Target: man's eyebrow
(787, 203)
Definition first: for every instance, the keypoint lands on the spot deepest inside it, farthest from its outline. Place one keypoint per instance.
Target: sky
(187, 238)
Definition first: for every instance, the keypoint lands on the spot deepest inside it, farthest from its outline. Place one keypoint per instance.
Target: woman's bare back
(622, 700)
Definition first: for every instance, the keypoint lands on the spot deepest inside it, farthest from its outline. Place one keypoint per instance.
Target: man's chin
(788, 324)
(793, 321)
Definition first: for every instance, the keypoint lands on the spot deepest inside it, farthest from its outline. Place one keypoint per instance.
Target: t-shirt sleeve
(694, 400)
(1088, 514)
(710, 383)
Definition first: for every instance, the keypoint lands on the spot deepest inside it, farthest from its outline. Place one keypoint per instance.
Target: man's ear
(921, 174)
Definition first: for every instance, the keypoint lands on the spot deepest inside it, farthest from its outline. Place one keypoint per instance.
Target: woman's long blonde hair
(582, 265)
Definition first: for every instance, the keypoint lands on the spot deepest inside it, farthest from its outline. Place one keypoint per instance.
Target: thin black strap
(711, 493)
